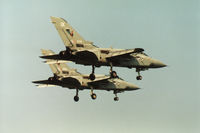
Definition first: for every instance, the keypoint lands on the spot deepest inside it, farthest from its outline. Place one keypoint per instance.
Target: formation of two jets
(84, 52)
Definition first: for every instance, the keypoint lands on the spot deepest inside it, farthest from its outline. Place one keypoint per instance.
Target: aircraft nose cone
(132, 87)
(160, 64)
(157, 64)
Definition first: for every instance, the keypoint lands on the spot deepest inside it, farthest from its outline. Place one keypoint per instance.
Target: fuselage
(83, 82)
(98, 56)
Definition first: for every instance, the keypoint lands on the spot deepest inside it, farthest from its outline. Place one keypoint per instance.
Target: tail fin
(59, 68)
(70, 37)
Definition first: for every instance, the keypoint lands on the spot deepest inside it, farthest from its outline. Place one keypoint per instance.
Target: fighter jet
(65, 76)
(84, 52)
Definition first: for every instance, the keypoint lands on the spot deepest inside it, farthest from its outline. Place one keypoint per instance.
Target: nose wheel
(139, 77)
(92, 76)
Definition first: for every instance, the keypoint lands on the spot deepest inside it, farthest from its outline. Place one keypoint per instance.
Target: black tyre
(93, 96)
(76, 98)
(92, 76)
(116, 98)
(139, 77)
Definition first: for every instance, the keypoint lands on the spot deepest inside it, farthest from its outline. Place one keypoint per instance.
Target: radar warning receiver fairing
(84, 52)
(65, 76)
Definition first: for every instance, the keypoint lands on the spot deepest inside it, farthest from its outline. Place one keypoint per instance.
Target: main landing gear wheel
(116, 98)
(76, 98)
(93, 96)
(139, 77)
(92, 76)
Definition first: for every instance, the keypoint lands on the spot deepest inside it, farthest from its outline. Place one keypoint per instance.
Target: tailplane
(59, 68)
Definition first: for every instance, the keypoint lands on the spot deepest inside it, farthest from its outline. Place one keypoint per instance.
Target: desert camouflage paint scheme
(65, 76)
(84, 52)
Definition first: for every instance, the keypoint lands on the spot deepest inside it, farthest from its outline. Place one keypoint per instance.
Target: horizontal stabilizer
(53, 57)
(44, 85)
(42, 82)
(55, 61)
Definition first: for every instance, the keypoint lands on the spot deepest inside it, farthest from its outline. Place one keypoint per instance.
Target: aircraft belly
(132, 63)
(111, 85)
(104, 86)
(123, 62)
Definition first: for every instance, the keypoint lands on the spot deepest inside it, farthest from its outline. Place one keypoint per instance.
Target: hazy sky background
(169, 101)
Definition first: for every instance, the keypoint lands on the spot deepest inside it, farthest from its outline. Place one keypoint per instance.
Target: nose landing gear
(116, 98)
(139, 77)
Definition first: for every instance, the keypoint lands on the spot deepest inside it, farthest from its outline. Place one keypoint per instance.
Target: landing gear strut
(139, 77)
(76, 97)
(93, 95)
(113, 74)
(92, 76)
(116, 98)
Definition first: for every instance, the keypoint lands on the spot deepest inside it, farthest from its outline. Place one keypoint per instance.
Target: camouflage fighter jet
(65, 76)
(84, 52)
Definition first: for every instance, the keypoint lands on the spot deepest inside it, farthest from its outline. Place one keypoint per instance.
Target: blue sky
(168, 101)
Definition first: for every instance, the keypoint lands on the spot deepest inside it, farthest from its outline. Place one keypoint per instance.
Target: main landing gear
(76, 97)
(93, 95)
(92, 76)
(139, 77)
(113, 74)
(116, 98)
